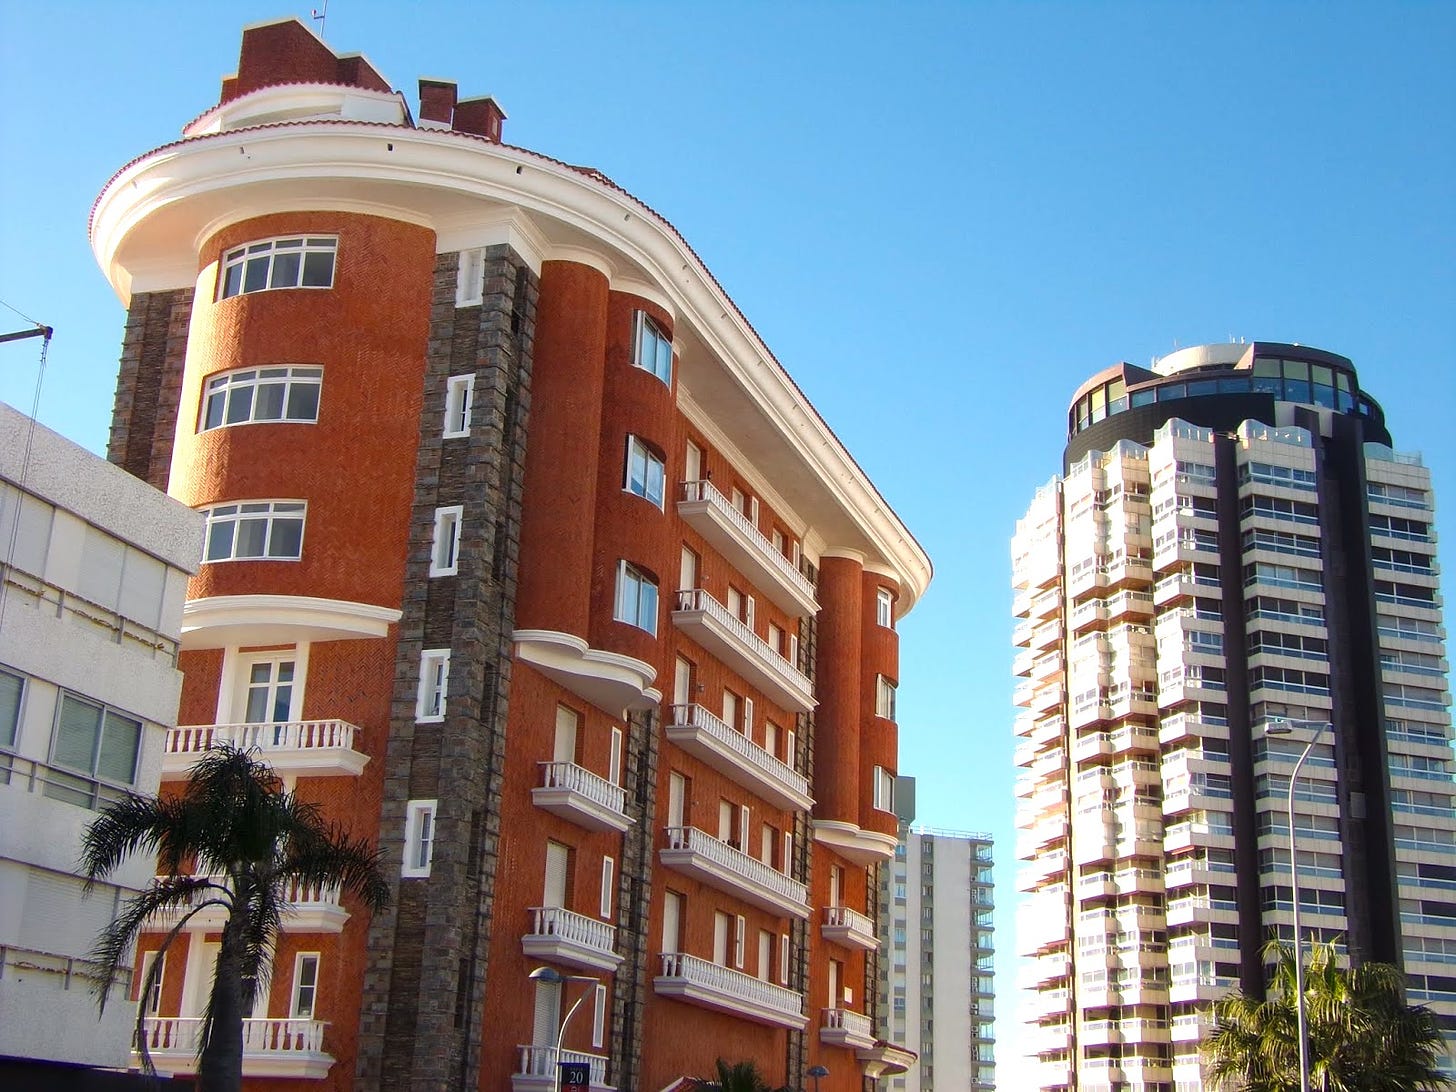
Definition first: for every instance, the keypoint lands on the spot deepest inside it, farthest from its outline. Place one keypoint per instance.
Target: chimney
(483, 117)
(437, 103)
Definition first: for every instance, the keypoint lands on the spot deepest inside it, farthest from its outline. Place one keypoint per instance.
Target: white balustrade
(297, 735)
(730, 983)
(844, 917)
(705, 491)
(182, 1035)
(696, 716)
(540, 1061)
(854, 1023)
(557, 921)
(698, 600)
(578, 779)
(725, 856)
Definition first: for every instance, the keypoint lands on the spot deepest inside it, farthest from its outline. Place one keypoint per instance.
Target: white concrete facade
(95, 567)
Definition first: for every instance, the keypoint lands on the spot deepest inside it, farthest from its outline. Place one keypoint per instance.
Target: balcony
(737, 757)
(710, 623)
(313, 908)
(536, 1071)
(698, 854)
(581, 797)
(301, 748)
(842, 1028)
(699, 982)
(746, 548)
(849, 927)
(564, 936)
(271, 1048)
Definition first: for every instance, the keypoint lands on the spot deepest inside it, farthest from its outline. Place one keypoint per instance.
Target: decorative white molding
(224, 621)
(610, 681)
(861, 846)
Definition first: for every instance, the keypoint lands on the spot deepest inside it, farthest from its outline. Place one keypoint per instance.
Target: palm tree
(243, 841)
(1363, 1037)
(739, 1077)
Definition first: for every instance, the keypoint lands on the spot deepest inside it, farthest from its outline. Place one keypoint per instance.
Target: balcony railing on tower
(746, 548)
(305, 748)
(714, 626)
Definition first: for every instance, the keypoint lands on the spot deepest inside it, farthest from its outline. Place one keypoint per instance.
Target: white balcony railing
(844, 1028)
(697, 853)
(734, 754)
(318, 747)
(849, 927)
(748, 548)
(564, 935)
(711, 624)
(540, 1062)
(586, 799)
(711, 985)
(312, 908)
(271, 1048)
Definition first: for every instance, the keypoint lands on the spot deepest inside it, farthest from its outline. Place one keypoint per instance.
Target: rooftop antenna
(321, 16)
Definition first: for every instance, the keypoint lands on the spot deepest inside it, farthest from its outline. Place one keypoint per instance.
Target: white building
(94, 565)
(937, 951)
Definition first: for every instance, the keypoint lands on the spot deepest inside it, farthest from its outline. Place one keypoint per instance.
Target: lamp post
(552, 977)
(1281, 727)
(816, 1072)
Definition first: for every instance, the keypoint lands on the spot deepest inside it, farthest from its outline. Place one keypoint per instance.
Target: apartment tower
(938, 974)
(1233, 545)
(526, 557)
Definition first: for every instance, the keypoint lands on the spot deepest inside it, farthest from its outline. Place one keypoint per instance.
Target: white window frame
(434, 685)
(10, 723)
(419, 837)
(651, 347)
(614, 758)
(459, 401)
(299, 960)
(646, 466)
(609, 868)
(599, 1015)
(631, 603)
(740, 931)
(250, 255)
(884, 698)
(273, 514)
(783, 959)
(106, 715)
(885, 608)
(470, 278)
(445, 543)
(884, 784)
(153, 1000)
(228, 389)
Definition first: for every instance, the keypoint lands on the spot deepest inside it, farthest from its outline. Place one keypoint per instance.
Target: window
(96, 740)
(884, 789)
(884, 698)
(305, 985)
(434, 684)
(885, 608)
(470, 281)
(614, 758)
(445, 553)
(599, 1015)
(646, 471)
(652, 350)
(636, 598)
(783, 959)
(271, 530)
(262, 394)
(11, 687)
(153, 999)
(608, 865)
(419, 837)
(278, 263)
(269, 697)
(740, 926)
(459, 400)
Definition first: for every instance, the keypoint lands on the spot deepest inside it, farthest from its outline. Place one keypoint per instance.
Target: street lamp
(816, 1072)
(1280, 727)
(552, 977)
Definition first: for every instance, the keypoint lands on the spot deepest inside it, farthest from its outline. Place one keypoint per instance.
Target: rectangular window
(459, 400)
(445, 551)
(154, 996)
(884, 789)
(11, 687)
(470, 281)
(96, 740)
(608, 867)
(653, 348)
(884, 698)
(885, 608)
(278, 263)
(614, 758)
(419, 837)
(262, 394)
(434, 684)
(783, 959)
(271, 530)
(599, 1016)
(646, 471)
(305, 985)
(636, 598)
(740, 926)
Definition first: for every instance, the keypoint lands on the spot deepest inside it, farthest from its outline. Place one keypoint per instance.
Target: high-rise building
(93, 570)
(526, 556)
(937, 969)
(1233, 546)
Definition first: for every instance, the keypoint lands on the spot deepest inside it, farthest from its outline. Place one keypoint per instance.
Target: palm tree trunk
(220, 1069)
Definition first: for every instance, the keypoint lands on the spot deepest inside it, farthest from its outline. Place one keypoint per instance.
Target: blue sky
(940, 216)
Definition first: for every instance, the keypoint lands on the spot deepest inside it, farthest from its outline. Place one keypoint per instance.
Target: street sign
(575, 1077)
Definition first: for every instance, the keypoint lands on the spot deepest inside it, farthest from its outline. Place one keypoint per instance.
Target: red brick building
(525, 555)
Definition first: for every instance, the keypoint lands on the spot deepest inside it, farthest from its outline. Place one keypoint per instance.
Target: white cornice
(153, 210)
(223, 621)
